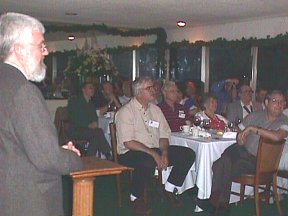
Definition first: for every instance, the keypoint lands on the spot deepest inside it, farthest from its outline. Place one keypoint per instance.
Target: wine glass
(231, 126)
(206, 124)
(110, 107)
(238, 121)
(197, 121)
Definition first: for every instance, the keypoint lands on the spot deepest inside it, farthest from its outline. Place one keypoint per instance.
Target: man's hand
(157, 159)
(241, 138)
(164, 161)
(72, 148)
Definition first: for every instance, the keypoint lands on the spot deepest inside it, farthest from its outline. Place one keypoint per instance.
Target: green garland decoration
(159, 32)
(160, 42)
(221, 42)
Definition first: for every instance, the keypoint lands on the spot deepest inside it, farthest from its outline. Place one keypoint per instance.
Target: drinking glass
(238, 121)
(231, 126)
(206, 124)
(85, 150)
(197, 121)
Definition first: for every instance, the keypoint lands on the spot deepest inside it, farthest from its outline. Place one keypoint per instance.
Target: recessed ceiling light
(71, 14)
(71, 37)
(181, 23)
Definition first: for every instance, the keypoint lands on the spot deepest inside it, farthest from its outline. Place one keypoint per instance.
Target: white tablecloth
(103, 123)
(207, 151)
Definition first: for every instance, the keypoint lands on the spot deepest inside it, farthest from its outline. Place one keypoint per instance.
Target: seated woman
(209, 106)
(84, 122)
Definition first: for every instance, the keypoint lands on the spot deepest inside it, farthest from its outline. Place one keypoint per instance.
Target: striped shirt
(175, 118)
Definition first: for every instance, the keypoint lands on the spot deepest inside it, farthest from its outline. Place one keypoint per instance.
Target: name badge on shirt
(153, 124)
(181, 114)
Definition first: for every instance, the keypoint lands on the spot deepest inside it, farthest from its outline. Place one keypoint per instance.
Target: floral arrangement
(91, 62)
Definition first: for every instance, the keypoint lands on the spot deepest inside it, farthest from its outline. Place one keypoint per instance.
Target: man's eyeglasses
(150, 88)
(280, 102)
(42, 46)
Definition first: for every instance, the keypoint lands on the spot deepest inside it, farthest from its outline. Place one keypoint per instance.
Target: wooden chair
(112, 127)
(268, 157)
(61, 122)
(282, 174)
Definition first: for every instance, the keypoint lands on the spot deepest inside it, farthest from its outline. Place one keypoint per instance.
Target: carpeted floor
(106, 201)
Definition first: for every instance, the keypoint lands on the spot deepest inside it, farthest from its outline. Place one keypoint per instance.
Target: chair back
(112, 127)
(61, 123)
(268, 158)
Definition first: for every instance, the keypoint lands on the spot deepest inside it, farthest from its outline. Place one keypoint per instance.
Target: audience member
(175, 113)
(181, 93)
(127, 92)
(209, 105)
(117, 86)
(32, 162)
(238, 110)
(191, 100)
(283, 165)
(158, 93)
(226, 92)
(84, 122)
(143, 143)
(260, 96)
(105, 100)
(240, 158)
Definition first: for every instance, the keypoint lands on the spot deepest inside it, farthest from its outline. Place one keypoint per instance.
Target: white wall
(231, 31)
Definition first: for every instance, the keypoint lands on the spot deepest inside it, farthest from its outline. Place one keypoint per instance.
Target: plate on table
(231, 135)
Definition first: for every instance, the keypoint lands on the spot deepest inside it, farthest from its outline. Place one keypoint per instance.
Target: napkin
(204, 134)
(231, 135)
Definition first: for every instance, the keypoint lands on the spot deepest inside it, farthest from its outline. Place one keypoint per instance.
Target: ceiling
(148, 13)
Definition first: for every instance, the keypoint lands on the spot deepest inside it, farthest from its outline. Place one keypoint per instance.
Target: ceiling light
(181, 23)
(71, 37)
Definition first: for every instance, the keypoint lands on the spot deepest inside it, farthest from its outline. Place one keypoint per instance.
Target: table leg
(83, 189)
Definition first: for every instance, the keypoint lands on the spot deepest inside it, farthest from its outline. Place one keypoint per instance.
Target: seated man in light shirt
(143, 143)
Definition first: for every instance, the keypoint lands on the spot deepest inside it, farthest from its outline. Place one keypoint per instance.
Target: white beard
(36, 73)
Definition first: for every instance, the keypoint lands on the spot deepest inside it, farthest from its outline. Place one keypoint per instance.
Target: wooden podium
(83, 182)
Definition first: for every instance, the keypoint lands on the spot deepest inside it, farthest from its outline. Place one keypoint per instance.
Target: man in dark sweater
(83, 118)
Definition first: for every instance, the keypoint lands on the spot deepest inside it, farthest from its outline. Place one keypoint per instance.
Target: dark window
(273, 67)
(230, 62)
